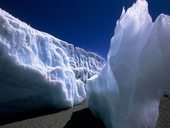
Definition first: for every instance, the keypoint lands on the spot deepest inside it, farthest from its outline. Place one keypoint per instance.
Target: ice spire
(127, 92)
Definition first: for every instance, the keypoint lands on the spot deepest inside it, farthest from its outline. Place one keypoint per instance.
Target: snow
(126, 94)
(38, 70)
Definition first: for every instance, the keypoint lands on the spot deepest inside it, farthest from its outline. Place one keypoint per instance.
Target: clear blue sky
(88, 24)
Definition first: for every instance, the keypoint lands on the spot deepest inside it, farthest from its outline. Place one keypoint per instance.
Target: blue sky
(88, 24)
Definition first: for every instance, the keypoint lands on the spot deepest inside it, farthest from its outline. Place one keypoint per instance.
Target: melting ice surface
(126, 94)
(38, 70)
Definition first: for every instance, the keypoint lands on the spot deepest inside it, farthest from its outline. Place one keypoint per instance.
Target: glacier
(38, 70)
(127, 92)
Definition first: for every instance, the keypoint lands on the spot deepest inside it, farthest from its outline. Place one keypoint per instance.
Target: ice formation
(39, 70)
(126, 94)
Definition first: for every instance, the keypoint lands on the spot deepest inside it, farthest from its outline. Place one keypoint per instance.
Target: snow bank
(126, 94)
(39, 70)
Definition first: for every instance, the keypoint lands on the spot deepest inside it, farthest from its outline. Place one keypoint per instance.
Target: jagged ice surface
(126, 94)
(38, 70)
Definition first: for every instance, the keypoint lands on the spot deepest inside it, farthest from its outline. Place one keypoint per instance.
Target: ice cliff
(126, 94)
(38, 70)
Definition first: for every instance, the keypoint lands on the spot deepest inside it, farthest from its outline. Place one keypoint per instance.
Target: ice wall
(126, 94)
(38, 70)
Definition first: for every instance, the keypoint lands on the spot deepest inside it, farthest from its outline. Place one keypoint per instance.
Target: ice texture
(38, 70)
(126, 94)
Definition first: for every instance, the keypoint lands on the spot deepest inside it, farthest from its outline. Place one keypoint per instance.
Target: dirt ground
(81, 117)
